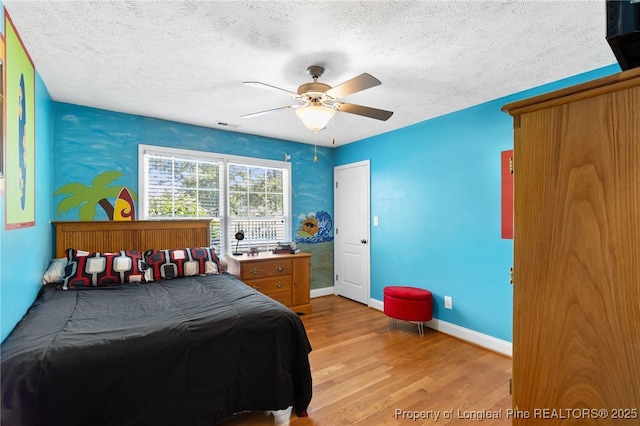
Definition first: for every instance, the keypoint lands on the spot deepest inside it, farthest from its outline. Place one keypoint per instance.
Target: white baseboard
(489, 342)
(376, 304)
(483, 340)
(325, 291)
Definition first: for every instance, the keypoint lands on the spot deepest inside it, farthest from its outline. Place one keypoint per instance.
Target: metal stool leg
(392, 323)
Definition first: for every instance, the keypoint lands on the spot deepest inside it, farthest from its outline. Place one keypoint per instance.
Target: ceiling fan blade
(378, 114)
(356, 84)
(268, 111)
(270, 88)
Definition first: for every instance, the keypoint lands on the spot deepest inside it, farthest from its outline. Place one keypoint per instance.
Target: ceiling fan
(319, 101)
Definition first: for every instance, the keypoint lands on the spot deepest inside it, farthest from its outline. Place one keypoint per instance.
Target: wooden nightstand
(283, 277)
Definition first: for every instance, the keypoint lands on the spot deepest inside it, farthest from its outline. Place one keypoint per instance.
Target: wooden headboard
(141, 235)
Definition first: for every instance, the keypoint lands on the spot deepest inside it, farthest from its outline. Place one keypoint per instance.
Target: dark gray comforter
(188, 351)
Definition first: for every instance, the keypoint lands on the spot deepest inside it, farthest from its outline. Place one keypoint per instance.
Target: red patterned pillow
(94, 269)
(167, 264)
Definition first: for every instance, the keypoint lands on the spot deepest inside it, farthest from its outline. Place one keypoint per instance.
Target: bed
(191, 350)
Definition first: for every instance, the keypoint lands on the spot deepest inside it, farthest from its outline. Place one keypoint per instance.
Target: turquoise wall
(89, 141)
(435, 187)
(25, 253)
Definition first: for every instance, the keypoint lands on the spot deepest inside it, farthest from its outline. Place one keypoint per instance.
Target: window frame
(226, 239)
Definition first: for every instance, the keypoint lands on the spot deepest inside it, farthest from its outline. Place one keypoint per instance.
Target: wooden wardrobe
(576, 325)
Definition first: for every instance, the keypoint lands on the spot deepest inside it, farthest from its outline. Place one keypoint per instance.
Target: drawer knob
(255, 271)
(256, 287)
(280, 268)
(280, 285)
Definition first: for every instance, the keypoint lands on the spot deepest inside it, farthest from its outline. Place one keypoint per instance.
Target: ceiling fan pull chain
(333, 130)
(315, 147)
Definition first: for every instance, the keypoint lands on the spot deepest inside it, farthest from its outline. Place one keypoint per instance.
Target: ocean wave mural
(314, 228)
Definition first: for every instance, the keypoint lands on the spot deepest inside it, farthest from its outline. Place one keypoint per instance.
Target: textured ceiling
(186, 60)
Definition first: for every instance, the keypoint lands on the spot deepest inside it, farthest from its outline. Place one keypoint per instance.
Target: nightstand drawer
(268, 268)
(283, 297)
(271, 285)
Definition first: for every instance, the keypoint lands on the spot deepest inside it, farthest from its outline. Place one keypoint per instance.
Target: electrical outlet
(448, 302)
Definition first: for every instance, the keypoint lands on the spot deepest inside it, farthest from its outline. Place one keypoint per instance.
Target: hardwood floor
(365, 373)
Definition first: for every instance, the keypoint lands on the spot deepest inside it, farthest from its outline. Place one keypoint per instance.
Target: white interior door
(352, 253)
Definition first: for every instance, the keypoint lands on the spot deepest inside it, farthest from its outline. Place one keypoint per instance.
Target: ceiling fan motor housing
(313, 90)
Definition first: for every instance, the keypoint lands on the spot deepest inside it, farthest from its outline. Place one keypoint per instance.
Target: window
(235, 193)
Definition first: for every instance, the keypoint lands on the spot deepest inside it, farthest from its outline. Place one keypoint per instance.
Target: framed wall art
(2, 139)
(19, 103)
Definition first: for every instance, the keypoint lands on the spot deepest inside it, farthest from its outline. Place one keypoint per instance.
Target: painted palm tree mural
(87, 198)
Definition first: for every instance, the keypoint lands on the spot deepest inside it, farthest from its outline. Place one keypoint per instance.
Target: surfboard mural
(124, 209)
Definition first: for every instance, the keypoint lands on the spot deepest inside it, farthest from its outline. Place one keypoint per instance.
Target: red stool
(408, 304)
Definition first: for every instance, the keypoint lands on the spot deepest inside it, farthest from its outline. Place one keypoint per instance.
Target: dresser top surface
(245, 258)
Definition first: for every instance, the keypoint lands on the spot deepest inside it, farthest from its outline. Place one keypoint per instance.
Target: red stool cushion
(408, 303)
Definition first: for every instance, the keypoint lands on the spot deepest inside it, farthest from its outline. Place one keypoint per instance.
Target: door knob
(363, 241)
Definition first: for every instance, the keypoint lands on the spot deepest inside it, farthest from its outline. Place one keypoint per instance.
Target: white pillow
(55, 271)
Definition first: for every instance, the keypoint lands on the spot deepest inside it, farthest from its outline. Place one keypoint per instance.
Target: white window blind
(235, 193)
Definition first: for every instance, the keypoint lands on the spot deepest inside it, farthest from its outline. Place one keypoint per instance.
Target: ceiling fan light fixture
(319, 101)
(315, 117)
